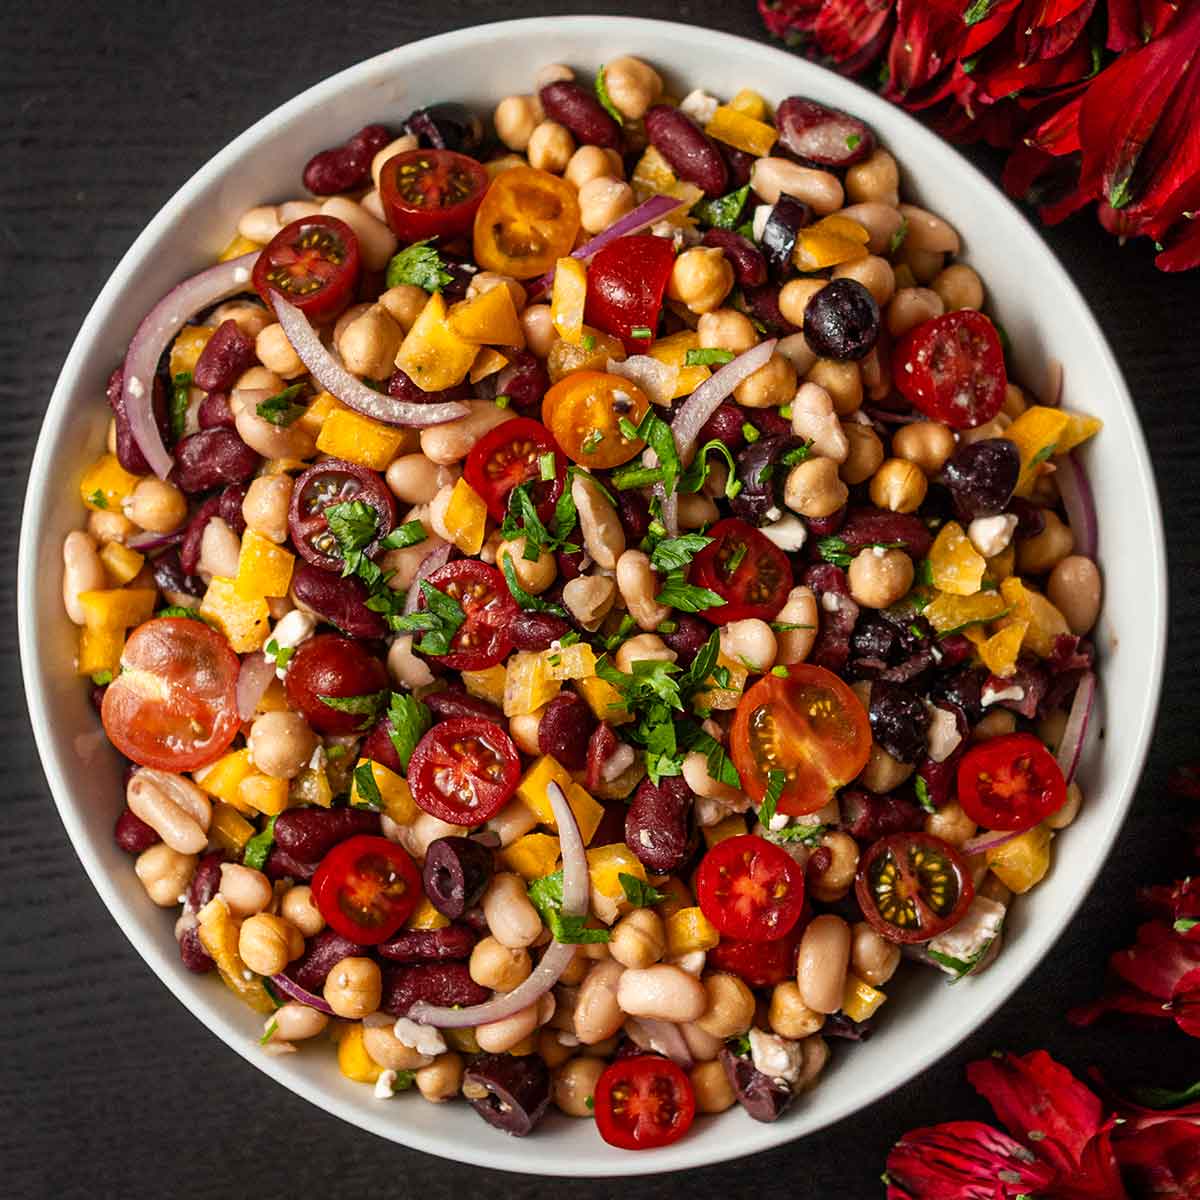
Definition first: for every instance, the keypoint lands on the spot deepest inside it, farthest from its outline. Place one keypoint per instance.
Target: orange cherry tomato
(583, 411)
(810, 726)
(528, 220)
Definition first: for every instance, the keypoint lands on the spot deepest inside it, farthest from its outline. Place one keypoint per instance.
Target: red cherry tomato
(480, 591)
(750, 889)
(760, 964)
(643, 1103)
(746, 569)
(952, 369)
(366, 888)
(625, 284)
(913, 886)
(810, 726)
(510, 455)
(464, 770)
(314, 263)
(1010, 782)
(319, 488)
(431, 193)
(337, 684)
(174, 704)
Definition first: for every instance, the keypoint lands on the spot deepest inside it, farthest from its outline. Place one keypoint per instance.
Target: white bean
(662, 991)
(513, 920)
(174, 807)
(638, 586)
(82, 572)
(376, 242)
(772, 177)
(453, 441)
(603, 535)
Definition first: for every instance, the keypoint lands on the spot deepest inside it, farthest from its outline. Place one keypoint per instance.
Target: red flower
(849, 34)
(1132, 22)
(1159, 1148)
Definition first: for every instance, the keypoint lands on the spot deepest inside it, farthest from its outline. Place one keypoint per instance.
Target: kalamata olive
(838, 1025)
(634, 512)
(761, 304)
(129, 453)
(981, 475)
(206, 882)
(759, 1094)
(874, 638)
(1031, 519)
(211, 459)
(518, 1090)
(573, 106)
(214, 412)
(564, 729)
(452, 942)
(768, 422)
(461, 273)
(963, 687)
(329, 668)
(762, 474)
(536, 631)
(656, 825)
(692, 154)
(725, 425)
(784, 222)
(321, 954)
(955, 649)
(456, 874)
(913, 669)
(749, 266)
(339, 599)
(441, 983)
(525, 381)
(169, 575)
(455, 702)
(306, 835)
(378, 747)
(868, 816)
(447, 126)
(842, 321)
(227, 354)
(401, 387)
(899, 721)
(690, 636)
(132, 834)
(865, 526)
(822, 135)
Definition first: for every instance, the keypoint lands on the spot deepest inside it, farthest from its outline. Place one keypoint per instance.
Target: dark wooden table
(107, 1086)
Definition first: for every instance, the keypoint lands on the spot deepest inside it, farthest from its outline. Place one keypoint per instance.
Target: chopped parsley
(897, 238)
(522, 520)
(282, 409)
(367, 789)
(588, 342)
(959, 968)
(656, 433)
(853, 142)
(643, 333)
(797, 454)
(502, 400)
(639, 894)
(676, 592)
(408, 721)
(707, 357)
(181, 610)
(98, 499)
(438, 622)
(100, 678)
(591, 443)
(722, 212)
(739, 1045)
(411, 533)
(259, 846)
(547, 468)
(921, 788)
(834, 550)
(369, 705)
(1186, 925)
(1165, 1098)
(546, 895)
(674, 553)
(270, 1032)
(528, 601)
(695, 477)
(750, 433)
(418, 265)
(181, 399)
(605, 99)
(281, 654)
(354, 524)
(776, 779)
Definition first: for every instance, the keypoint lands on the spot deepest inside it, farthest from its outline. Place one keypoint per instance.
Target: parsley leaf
(99, 499)
(677, 593)
(181, 610)
(707, 357)
(439, 621)
(639, 894)
(181, 398)
(739, 1045)
(675, 553)
(269, 1032)
(528, 601)
(605, 99)
(808, 835)
(419, 265)
(354, 525)
(408, 721)
(651, 680)
(897, 238)
(695, 477)
(719, 765)
(853, 142)
(722, 212)
(281, 408)
(522, 520)
(281, 654)
(259, 846)
(776, 780)
(1185, 924)
(368, 705)
(367, 788)
(546, 895)
(656, 433)
(100, 678)
(921, 788)
(411, 533)
(834, 550)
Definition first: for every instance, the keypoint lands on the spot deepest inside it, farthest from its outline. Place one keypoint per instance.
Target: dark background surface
(108, 1087)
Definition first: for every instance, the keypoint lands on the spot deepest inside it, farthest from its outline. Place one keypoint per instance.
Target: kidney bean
(443, 983)
(169, 575)
(611, 829)
(564, 730)
(322, 953)
(192, 952)
(189, 548)
(306, 835)
(570, 566)
(759, 1094)
(228, 354)
(340, 600)
(749, 266)
(738, 163)
(430, 945)
(762, 303)
(345, 168)
(536, 631)
(693, 155)
(822, 135)
(576, 108)
(600, 748)
(456, 873)
(867, 817)
(212, 458)
(129, 453)
(725, 425)
(378, 747)
(214, 412)
(206, 881)
(280, 865)
(634, 511)
(690, 636)
(401, 387)
(656, 825)
(868, 526)
(526, 381)
(454, 702)
(832, 647)
(132, 834)
(955, 649)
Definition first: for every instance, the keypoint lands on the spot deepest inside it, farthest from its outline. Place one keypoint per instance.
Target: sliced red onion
(989, 840)
(154, 335)
(885, 416)
(660, 1037)
(155, 541)
(336, 380)
(293, 991)
(1071, 746)
(433, 561)
(253, 680)
(656, 379)
(646, 213)
(558, 955)
(1077, 498)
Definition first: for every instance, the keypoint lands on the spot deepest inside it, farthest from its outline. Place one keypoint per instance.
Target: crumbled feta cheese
(773, 513)
(384, 1085)
(424, 1039)
(317, 762)
(943, 733)
(776, 1057)
(778, 821)
(699, 105)
(692, 962)
(293, 628)
(879, 551)
(762, 214)
(991, 695)
(971, 936)
(991, 535)
(789, 534)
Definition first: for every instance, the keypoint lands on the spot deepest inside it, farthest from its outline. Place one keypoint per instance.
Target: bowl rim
(510, 1154)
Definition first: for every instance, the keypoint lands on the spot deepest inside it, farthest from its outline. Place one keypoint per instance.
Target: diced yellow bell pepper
(106, 484)
(394, 791)
(527, 684)
(218, 933)
(860, 1000)
(725, 698)
(487, 684)
(264, 569)
(606, 864)
(317, 413)
(956, 566)
(653, 176)
(531, 791)
(1045, 623)
(349, 435)
(735, 128)
(948, 613)
(432, 355)
(243, 621)
(425, 916)
(567, 299)
(489, 319)
(604, 700)
(311, 786)
(999, 653)
(223, 778)
(264, 793)
(236, 248)
(749, 103)
(532, 856)
(1036, 433)
(689, 929)
(187, 348)
(229, 829)
(487, 362)
(1001, 566)
(1079, 427)
(274, 699)
(844, 227)
(99, 650)
(672, 350)
(120, 563)
(1023, 861)
(571, 662)
(818, 247)
(733, 825)
(117, 608)
(466, 517)
(353, 1060)
(588, 812)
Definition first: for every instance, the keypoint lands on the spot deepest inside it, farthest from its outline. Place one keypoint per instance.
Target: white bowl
(1029, 293)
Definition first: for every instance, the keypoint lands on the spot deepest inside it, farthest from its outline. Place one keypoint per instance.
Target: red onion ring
(1077, 498)
(989, 840)
(293, 991)
(153, 336)
(253, 680)
(336, 380)
(1071, 746)
(656, 379)
(660, 1037)
(558, 955)
(433, 561)
(155, 541)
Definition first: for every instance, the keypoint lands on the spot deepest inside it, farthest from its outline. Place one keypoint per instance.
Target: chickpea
(701, 278)
(404, 304)
(865, 454)
(535, 576)
(924, 266)
(800, 609)
(369, 343)
(442, 1078)
(910, 307)
(881, 221)
(959, 287)
(996, 723)
(538, 327)
(590, 599)
(876, 178)
(750, 642)
(880, 579)
(1074, 588)
(602, 201)
(794, 297)
(165, 874)
(499, 967)
(553, 73)
(632, 85)
(814, 489)
(1044, 551)
(789, 1016)
(268, 943)
(281, 744)
(523, 729)
(883, 773)
(726, 329)
(591, 162)
(951, 824)
(711, 1086)
(550, 147)
(552, 1052)
(157, 506)
(246, 891)
(927, 443)
(771, 386)
(899, 486)
(265, 508)
(874, 273)
(354, 988)
(843, 382)
(573, 1087)
(252, 318)
(276, 354)
(872, 958)
(1069, 811)
(515, 119)
(927, 231)
(1014, 402)
(643, 647)
(730, 1008)
(110, 526)
(299, 907)
(836, 880)
(876, 375)
(639, 939)
(297, 1022)
(638, 586)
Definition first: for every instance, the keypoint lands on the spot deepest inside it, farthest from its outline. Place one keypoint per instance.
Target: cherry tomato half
(809, 725)
(913, 886)
(952, 369)
(760, 964)
(643, 1103)
(366, 888)
(336, 683)
(750, 889)
(174, 704)
(583, 411)
(528, 220)
(464, 770)
(335, 481)
(746, 569)
(314, 263)
(480, 591)
(625, 284)
(1010, 782)
(510, 455)
(431, 193)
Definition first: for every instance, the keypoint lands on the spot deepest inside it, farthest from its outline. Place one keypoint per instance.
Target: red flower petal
(789, 19)
(1120, 999)
(927, 37)
(852, 31)
(1160, 963)
(1002, 70)
(1132, 22)
(1184, 251)
(1046, 28)
(1058, 133)
(985, 23)
(1185, 781)
(1161, 1160)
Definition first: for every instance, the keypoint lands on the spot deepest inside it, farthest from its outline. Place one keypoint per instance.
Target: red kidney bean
(280, 865)
(401, 387)
(955, 649)
(340, 600)
(832, 647)
(212, 458)
(435, 983)
(169, 575)
(206, 881)
(306, 835)
(725, 425)
(867, 817)
(656, 825)
(430, 945)
(193, 953)
(762, 303)
(738, 163)
(580, 111)
(693, 155)
(870, 526)
(214, 412)
(749, 266)
(378, 747)
(193, 537)
(227, 355)
(454, 702)
(564, 730)
(322, 953)
(824, 526)
(455, 875)
(231, 507)
(634, 511)
(570, 566)
(132, 834)
(518, 1090)
(345, 168)
(536, 631)
(767, 421)
(820, 135)
(611, 829)
(129, 453)
(602, 745)
(525, 383)
(690, 636)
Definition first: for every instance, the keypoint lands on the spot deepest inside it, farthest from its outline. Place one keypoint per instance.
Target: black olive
(763, 1098)
(788, 216)
(762, 472)
(446, 126)
(981, 477)
(518, 1090)
(456, 872)
(899, 721)
(842, 321)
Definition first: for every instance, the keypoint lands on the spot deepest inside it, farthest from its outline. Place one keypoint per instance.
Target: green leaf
(722, 212)
(181, 610)
(853, 142)
(354, 524)
(643, 333)
(99, 499)
(403, 1081)
(776, 780)
(546, 466)
(418, 265)
(439, 621)
(656, 433)
(367, 788)
(674, 553)
(181, 398)
(897, 238)
(411, 533)
(976, 10)
(923, 575)
(797, 454)
(960, 967)
(676, 592)
(528, 601)
(408, 721)
(707, 357)
(639, 894)
(546, 895)
(750, 433)
(368, 705)
(807, 835)
(921, 788)
(281, 654)
(1166, 1098)
(280, 409)
(269, 1032)
(605, 99)
(834, 550)
(697, 675)
(651, 682)
(591, 443)
(259, 846)
(100, 678)
(719, 765)
(1185, 924)
(739, 1045)
(695, 477)
(1043, 454)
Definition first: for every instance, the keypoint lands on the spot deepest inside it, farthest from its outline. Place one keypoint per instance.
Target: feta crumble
(699, 105)
(424, 1039)
(991, 535)
(789, 533)
(776, 1057)
(967, 941)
